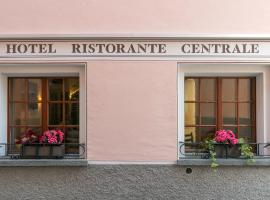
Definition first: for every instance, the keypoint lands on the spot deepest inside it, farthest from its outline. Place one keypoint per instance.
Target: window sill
(223, 162)
(43, 163)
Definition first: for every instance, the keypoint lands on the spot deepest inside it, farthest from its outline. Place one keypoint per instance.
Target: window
(213, 103)
(39, 104)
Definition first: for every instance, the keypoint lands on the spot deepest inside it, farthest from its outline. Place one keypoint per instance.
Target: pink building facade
(132, 99)
(134, 85)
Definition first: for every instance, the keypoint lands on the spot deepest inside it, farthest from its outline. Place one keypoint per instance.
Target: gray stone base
(135, 182)
(42, 162)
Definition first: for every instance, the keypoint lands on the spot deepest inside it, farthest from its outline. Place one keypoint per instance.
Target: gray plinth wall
(134, 182)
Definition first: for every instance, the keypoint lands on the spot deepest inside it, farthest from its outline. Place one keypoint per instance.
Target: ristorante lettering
(118, 48)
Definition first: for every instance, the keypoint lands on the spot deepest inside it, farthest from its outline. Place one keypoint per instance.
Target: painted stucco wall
(140, 16)
(132, 105)
(132, 110)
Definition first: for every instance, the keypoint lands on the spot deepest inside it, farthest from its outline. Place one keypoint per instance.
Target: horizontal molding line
(138, 56)
(124, 59)
(94, 162)
(134, 36)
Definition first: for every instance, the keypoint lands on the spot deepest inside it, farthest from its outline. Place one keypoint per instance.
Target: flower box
(227, 151)
(43, 151)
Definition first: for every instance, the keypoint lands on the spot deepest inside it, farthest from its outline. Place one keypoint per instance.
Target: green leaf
(214, 165)
(241, 140)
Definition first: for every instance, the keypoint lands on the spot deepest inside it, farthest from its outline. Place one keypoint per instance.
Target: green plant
(246, 151)
(212, 154)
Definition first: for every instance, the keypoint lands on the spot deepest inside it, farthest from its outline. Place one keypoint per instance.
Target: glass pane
(245, 113)
(229, 113)
(72, 140)
(190, 134)
(228, 89)
(16, 133)
(72, 135)
(191, 89)
(55, 114)
(246, 132)
(34, 114)
(244, 89)
(208, 90)
(199, 134)
(20, 135)
(207, 133)
(72, 113)
(72, 89)
(208, 113)
(191, 113)
(232, 128)
(55, 89)
(17, 114)
(35, 91)
(36, 130)
(17, 89)
(57, 128)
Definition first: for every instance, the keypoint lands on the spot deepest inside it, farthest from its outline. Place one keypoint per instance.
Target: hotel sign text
(132, 48)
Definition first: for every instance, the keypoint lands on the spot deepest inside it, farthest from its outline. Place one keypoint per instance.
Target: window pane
(36, 130)
(246, 132)
(208, 113)
(72, 114)
(191, 113)
(17, 89)
(56, 114)
(244, 90)
(232, 128)
(35, 91)
(72, 89)
(57, 128)
(207, 132)
(16, 133)
(244, 113)
(190, 134)
(199, 134)
(34, 114)
(191, 89)
(208, 90)
(17, 114)
(72, 140)
(229, 113)
(228, 89)
(72, 135)
(55, 89)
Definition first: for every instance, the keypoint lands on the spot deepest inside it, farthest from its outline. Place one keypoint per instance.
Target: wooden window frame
(218, 107)
(45, 105)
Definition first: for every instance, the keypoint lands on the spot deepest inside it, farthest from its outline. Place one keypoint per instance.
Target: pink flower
(226, 137)
(52, 137)
(221, 136)
(234, 141)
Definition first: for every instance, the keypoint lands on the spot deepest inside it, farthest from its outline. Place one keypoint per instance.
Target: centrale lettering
(118, 48)
(219, 48)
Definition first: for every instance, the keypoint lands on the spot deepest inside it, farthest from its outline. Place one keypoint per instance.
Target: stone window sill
(43, 163)
(223, 162)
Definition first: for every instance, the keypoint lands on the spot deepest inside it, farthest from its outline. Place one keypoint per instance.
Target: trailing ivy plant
(246, 151)
(212, 153)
